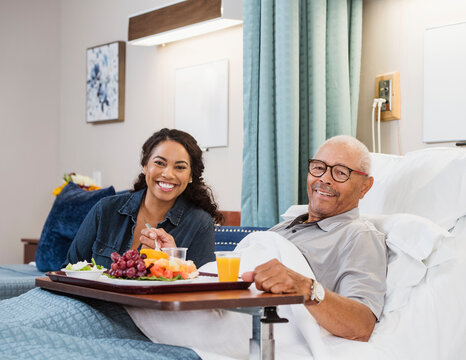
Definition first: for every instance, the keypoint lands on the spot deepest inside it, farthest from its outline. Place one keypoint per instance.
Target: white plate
(127, 282)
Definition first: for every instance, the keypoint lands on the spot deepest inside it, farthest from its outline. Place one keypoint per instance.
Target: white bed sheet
(430, 326)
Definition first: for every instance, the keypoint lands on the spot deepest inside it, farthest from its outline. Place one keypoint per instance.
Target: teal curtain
(301, 85)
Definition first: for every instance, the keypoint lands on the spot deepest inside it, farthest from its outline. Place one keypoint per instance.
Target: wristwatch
(317, 292)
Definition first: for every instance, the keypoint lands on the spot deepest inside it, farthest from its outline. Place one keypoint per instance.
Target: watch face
(320, 292)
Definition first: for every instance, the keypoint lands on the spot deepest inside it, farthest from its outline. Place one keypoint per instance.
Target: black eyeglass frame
(331, 170)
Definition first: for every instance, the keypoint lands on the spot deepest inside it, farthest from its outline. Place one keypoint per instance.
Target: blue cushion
(68, 212)
(227, 237)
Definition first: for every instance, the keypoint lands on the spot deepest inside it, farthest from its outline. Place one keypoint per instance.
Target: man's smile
(324, 193)
(324, 190)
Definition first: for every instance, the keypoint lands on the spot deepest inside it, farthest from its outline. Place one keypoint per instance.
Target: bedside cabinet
(30, 247)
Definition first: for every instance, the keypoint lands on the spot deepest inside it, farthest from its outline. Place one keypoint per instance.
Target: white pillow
(459, 232)
(414, 245)
(382, 167)
(430, 182)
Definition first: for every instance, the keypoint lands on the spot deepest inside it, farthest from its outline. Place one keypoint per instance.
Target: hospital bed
(419, 202)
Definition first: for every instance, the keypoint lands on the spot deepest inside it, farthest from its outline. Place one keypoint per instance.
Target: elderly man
(346, 254)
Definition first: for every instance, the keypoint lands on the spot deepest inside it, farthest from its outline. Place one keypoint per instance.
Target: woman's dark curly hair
(196, 192)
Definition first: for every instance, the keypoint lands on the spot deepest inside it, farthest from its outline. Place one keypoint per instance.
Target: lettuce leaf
(151, 278)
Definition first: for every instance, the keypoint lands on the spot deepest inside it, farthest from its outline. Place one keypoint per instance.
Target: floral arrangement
(84, 182)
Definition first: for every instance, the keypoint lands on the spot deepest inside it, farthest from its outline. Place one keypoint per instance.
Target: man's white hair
(364, 155)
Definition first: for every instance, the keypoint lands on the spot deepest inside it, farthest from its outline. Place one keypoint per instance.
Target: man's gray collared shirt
(347, 255)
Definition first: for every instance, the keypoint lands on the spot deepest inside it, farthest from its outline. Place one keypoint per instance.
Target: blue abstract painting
(103, 83)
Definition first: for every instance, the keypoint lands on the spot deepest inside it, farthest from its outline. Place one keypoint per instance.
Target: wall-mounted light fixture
(183, 20)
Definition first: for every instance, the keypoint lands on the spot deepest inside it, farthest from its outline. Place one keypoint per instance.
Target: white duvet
(424, 316)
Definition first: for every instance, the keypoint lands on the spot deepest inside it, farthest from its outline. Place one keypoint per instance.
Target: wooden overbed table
(261, 306)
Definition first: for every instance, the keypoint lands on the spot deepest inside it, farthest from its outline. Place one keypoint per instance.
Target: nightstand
(30, 247)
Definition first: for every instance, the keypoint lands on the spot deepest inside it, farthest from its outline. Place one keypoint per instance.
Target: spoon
(155, 241)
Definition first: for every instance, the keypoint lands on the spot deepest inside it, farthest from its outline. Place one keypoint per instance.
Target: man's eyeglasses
(340, 173)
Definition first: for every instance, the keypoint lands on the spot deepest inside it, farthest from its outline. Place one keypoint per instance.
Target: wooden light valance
(181, 20)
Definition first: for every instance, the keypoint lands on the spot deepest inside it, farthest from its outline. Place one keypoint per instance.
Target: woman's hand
(150, 236)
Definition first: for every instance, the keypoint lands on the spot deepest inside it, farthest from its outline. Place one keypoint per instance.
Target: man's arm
(343, 317)
(339, 315)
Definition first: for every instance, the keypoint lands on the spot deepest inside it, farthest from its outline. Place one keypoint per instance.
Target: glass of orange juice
(228, 265)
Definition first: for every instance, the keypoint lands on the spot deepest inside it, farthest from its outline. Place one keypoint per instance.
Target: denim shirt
(109, 227)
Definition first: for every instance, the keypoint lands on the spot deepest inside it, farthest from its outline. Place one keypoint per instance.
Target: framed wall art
(105, 82)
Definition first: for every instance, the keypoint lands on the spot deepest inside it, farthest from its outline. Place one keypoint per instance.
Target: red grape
(128, 265)
(131, 272)
(122, 264)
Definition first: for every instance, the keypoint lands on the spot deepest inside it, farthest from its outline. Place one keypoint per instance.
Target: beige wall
(393, 33)
(43, 105)
(29, 119)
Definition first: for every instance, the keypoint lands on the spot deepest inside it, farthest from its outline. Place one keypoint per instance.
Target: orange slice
(154, 254)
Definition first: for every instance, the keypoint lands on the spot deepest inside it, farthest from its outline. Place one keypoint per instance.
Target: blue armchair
(227, 237)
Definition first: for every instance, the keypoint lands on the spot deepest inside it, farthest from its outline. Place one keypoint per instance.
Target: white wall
(29, 119)
(43, 104)
(393, 36)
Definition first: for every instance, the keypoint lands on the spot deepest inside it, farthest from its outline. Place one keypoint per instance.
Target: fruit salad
(150, 265)
(171, 268)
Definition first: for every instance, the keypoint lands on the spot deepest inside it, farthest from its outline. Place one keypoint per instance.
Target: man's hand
(339, 315)
(276, 278)
(150, 236)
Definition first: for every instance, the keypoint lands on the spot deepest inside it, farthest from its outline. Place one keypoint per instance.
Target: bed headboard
(231, 218)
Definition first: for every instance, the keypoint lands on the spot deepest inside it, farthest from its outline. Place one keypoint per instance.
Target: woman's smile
(165, 186)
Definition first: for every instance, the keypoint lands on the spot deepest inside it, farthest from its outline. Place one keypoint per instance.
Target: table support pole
(262, 344)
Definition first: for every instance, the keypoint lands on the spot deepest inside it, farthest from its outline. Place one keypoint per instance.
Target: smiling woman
(167, 174)
(169, 194)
